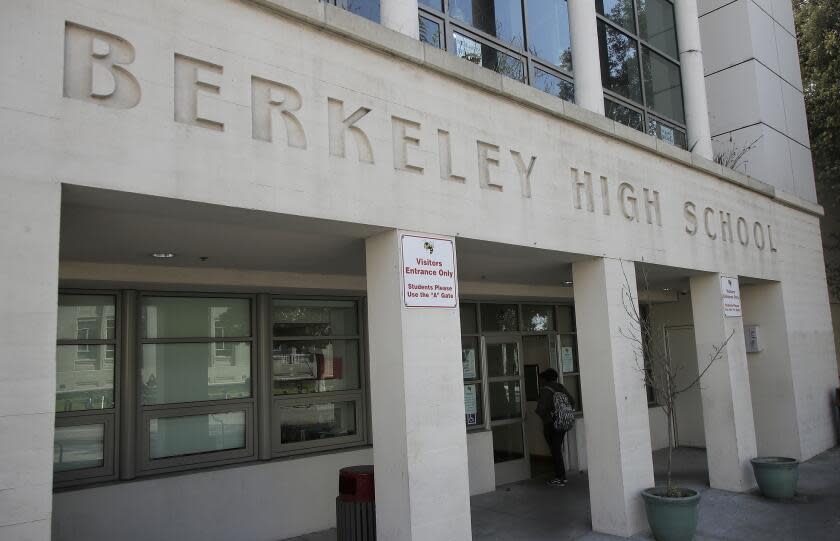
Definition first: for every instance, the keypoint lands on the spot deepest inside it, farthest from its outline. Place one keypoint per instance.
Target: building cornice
(375, 36)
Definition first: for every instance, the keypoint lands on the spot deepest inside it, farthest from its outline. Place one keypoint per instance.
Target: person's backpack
(563, 413)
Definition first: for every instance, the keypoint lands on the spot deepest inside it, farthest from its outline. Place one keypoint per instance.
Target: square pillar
(417, 403)
(29, 236)
(724, 389)
(618, 451)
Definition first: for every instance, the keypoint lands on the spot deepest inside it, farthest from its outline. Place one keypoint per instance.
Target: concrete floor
(534, 511)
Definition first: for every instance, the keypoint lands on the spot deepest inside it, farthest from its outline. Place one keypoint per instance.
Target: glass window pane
(619, 62)
(618, 11)
(537, 317)
(470, 358)
(434, 4)
(369, 9)
(488, 57)
(548, 32)
(624, 115)
(314, 318)
(79, 447)
(667, 133)
(499, 317)
(307, 422)
(84, 377)
(663, 86)
(86, 317)
(194, 317)
(469, 325)
(657, 26)
(507, 442)
(499, 18)
(566, 318)
(563, 89)
(430, 32)
(194, 434)
(568, 353)
(502, 360)
(472, 405)
(315, 366)
(505, 400)
(173, 373)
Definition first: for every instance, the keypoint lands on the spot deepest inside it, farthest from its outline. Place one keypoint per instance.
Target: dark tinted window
(554, 85)
(489, 57)
(548, 32)
(500, 18)
(618, 11)
(663, 85)
(619, 62)
(369, 9)
(656, 25)
(430, 32)
(625, 115)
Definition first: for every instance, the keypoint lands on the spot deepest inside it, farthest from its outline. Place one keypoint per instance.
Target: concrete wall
(754, 89)
(268, 501)
(481, 467)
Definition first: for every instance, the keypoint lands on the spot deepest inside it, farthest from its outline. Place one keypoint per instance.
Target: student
(554, 429)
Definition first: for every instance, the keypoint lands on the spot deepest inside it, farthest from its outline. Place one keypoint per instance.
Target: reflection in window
(194, 434)
(369, 9)
(624, 115)
(619, 62)
(84, 377)
(657, 25)
(499, 18)
(663, 85)
(508, 442)
(505, 400)
(488, 57)
(499, 317)
(306, 422)
(434, 4)
(618, 11)
(502, 360)
(430, 32)
(314, 318)
(563, 89)
(548, 32)
(86, 317)
(192, 317)
(537, 317)
(667, 133)
(315, 366)
(78, 447)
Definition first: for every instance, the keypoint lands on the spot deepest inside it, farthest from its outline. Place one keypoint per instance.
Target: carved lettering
(403, 141)
(195, 82)
(605, 196)
(628, 201)
(445, 156)
(770, 238)
(585, 184)
(485, 160)
(524, 172)
(726, 227)
(94, 68)
(339, 126)
(743, 233)
(758, 235)
(690, 213)
(706, 213)
(652, 203)
(269, 97)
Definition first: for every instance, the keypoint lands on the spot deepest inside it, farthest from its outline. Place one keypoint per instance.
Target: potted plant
(776, 476)
(671, 510)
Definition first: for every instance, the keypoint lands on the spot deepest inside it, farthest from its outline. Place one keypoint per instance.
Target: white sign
(429, 275)
(731, 294)
(470, 404)
(567, 359)
(468, 360)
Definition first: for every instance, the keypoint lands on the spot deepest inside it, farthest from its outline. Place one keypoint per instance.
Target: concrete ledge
(375, 36)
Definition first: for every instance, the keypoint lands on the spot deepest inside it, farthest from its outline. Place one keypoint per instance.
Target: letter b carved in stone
(94, 68)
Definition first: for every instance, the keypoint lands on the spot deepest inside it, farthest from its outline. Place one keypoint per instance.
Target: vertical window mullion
(128, 382)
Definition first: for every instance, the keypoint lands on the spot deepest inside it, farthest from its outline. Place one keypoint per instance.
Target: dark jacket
(545, 403)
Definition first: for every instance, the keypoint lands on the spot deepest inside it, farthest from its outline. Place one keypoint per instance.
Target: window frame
(110, 417)
(481, 368)
(531, 61)
(359, 396)
(145, 465)
(644, 108)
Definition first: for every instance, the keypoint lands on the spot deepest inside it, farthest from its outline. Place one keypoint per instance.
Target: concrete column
(725, 388)
(401, 16)
(771, 373)
(586, 62)
(693, 81)
(618, 451)
(417, 402)
(29, 231)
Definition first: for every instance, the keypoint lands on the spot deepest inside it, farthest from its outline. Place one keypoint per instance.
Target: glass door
(506, 408)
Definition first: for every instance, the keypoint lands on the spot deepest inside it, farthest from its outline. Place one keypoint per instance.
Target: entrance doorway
(505, 386)
(688, 408)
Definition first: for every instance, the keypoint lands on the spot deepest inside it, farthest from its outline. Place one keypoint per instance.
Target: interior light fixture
(163, 255)
(568, 282)
(666, 289)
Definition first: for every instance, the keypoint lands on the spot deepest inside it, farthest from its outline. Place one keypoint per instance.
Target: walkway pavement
(534, 511)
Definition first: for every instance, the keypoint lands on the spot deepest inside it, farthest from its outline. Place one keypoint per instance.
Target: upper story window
(369, 9)
(527, 41)
(640, 67)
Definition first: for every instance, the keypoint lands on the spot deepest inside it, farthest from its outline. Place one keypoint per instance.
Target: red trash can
(355, 507)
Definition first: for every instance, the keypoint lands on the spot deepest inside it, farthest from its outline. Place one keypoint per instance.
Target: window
(640, 67)
(531, 45)
(85, 397)
(369, 9)
(317, 375)
(471, 364)
(196, 397)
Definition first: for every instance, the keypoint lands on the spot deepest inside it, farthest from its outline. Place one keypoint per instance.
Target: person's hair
(549, 374)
